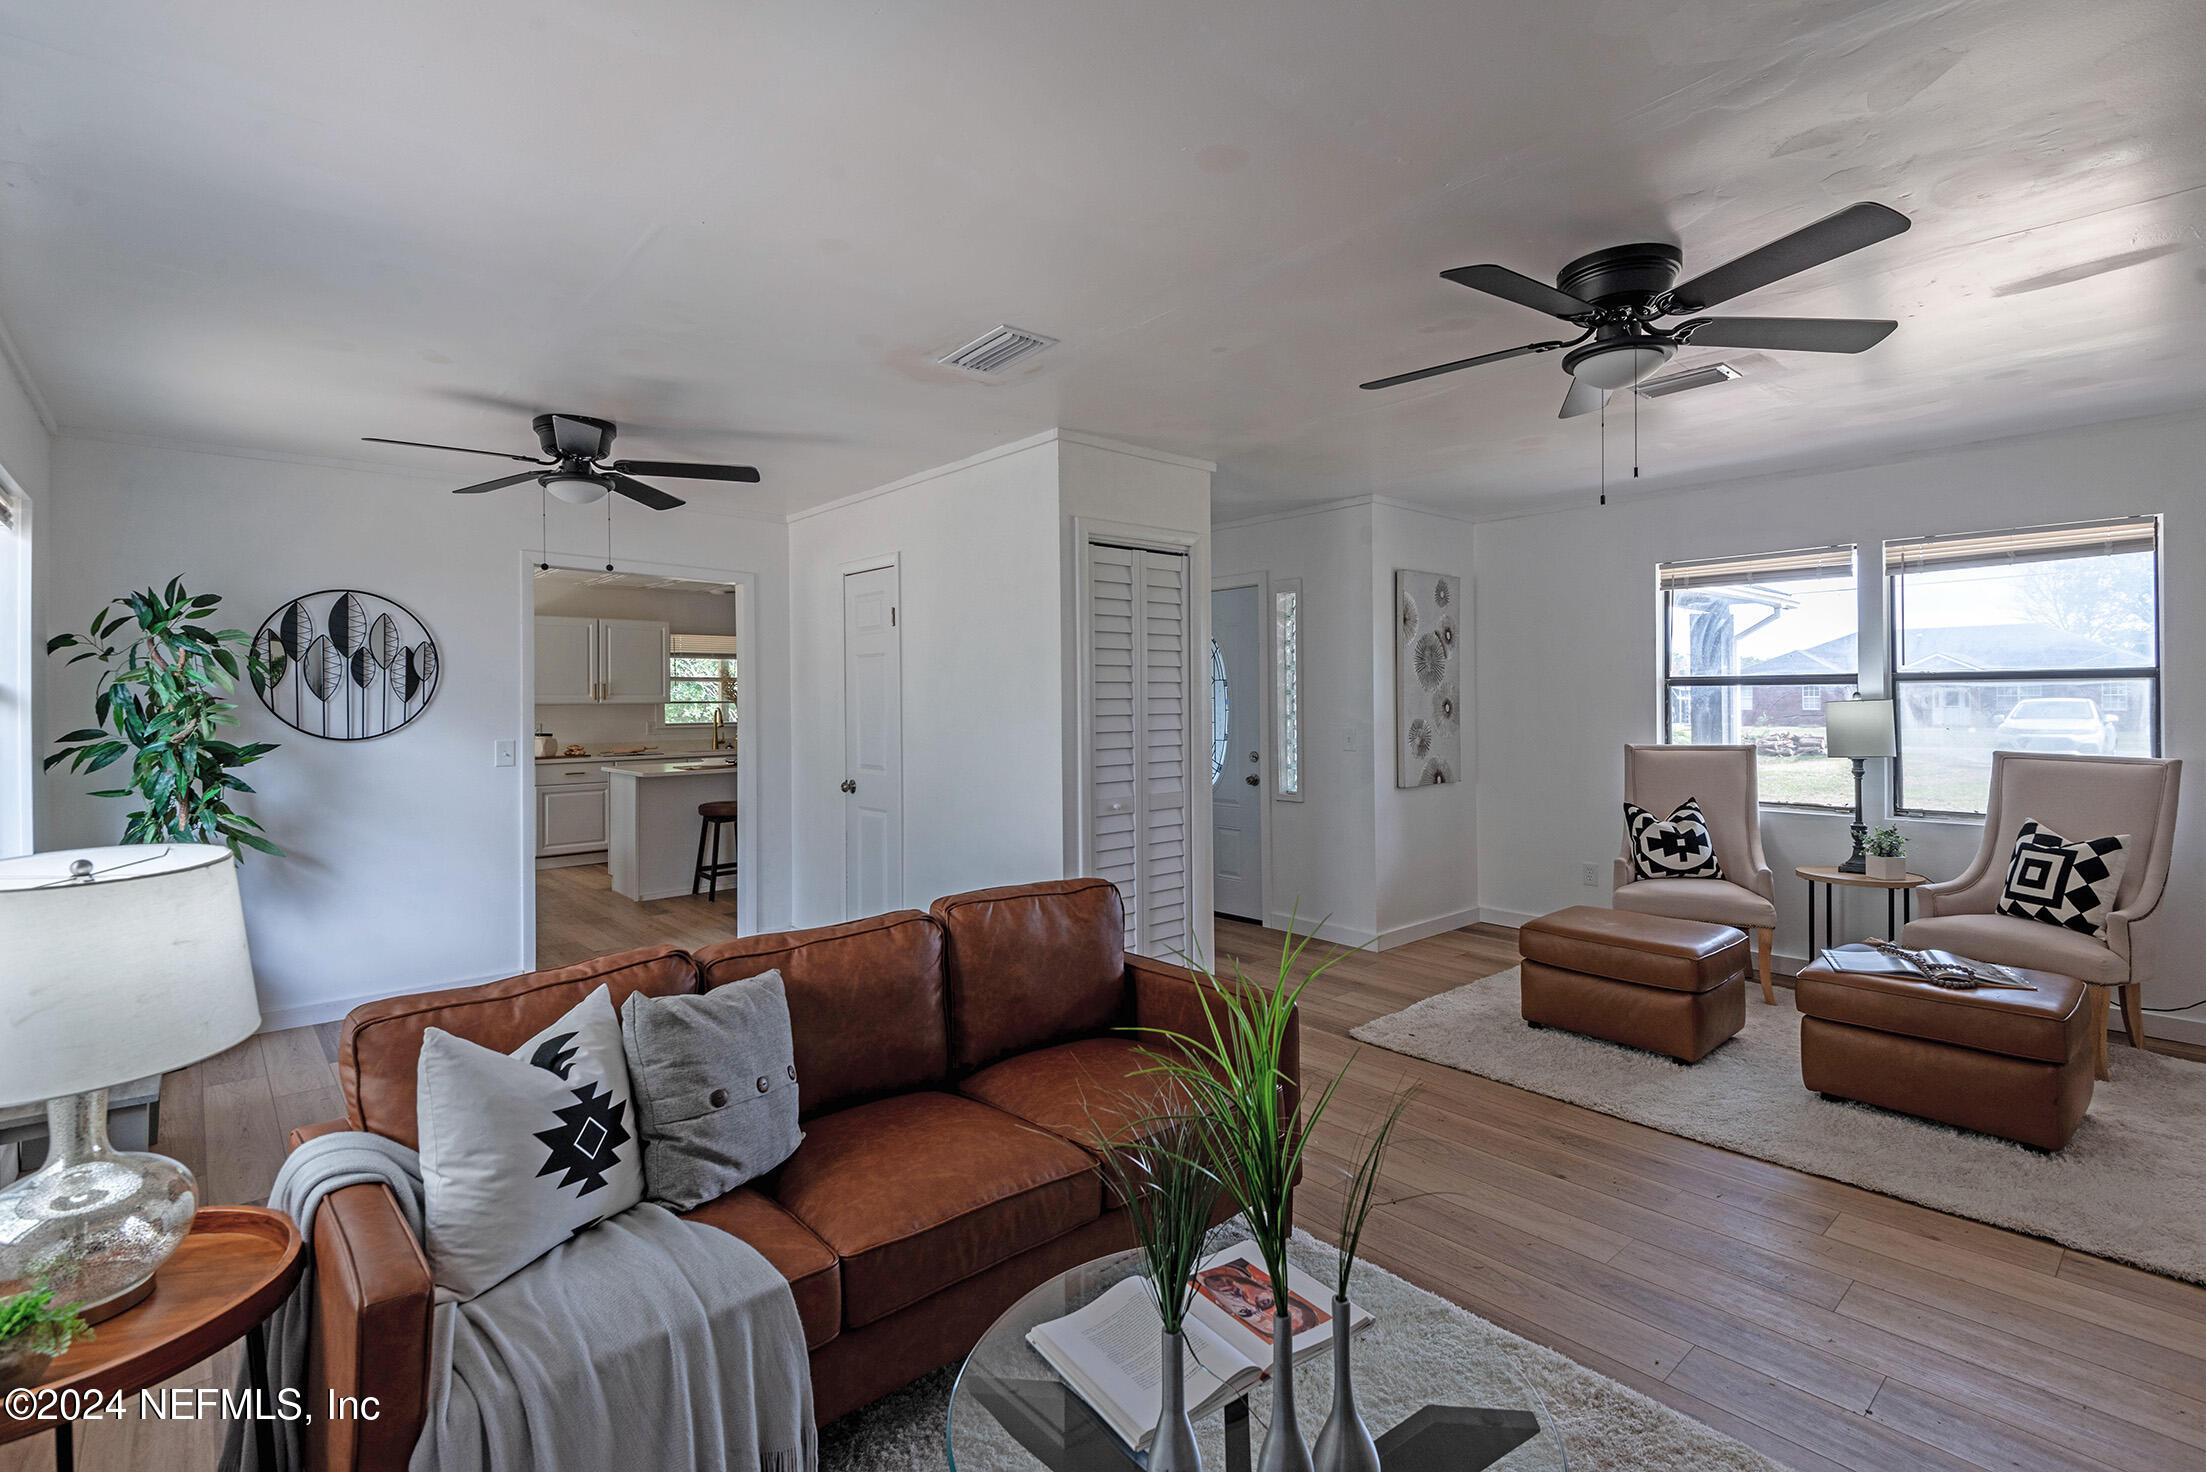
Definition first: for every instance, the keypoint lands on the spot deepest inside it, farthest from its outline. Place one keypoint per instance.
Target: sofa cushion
(2043, 1024)
(715, 1081)
(2005, 940)
(381, 1045)
(815, 1278)
(920, 1191)
(1032, 964)
(1716, 901)
(1089, 1091)
(866, 1004)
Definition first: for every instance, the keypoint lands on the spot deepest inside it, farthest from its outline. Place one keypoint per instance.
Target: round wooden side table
(1832, 878)
(235, 1265)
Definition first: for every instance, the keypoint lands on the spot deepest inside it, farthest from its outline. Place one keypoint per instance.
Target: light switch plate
(508, 753)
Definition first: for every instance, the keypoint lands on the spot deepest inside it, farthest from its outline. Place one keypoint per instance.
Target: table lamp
(115, 963)
(1859, 729)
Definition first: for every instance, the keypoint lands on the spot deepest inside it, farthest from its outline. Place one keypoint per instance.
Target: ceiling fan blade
(1515, 286)
(651, 496)
(682, 470)
(375, 439)
(1437, 370)
(1790, 334)
(1583, 398)
(1827, 239)
(496, 485)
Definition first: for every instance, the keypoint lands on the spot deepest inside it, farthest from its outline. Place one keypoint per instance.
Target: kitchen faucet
(719, 722)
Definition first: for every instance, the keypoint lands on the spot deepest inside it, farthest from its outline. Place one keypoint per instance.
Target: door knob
(850, 784)
(1253, 780)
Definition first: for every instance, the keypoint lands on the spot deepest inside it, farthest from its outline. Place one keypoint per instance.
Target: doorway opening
(1240, 781)
(18, 740)
(636, 818)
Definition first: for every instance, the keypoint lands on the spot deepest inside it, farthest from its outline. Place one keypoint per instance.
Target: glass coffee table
(1438, 1396)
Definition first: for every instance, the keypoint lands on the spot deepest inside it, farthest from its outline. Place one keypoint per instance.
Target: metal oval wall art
(345, 665)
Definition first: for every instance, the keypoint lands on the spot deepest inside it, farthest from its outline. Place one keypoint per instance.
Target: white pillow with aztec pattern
(2058, 882)
(1677, 847)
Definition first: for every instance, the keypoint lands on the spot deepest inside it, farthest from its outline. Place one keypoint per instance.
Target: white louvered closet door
(1139, 632)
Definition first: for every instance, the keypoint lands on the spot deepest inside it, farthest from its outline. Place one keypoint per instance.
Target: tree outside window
(701, 680)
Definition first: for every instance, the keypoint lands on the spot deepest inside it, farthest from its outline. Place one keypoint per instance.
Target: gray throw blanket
(646, 1341)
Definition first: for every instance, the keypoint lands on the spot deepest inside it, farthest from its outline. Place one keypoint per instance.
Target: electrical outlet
(506, 753)
(1589, 875)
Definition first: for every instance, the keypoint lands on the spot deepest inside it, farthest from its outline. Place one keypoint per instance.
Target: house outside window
(1752, 648)
(2043, 639)
(701, 680)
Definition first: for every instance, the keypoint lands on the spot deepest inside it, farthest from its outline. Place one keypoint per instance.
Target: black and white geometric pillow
(2057, 882)
(1677, 847)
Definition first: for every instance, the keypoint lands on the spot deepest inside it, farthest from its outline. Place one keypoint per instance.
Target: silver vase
(93, 1223)
(1283, 1449)
(1173, 1449)
(1345, 1444)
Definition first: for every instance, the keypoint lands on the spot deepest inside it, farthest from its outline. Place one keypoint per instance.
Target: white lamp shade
(138, 971)
(1621, 367)
(576, 490)
(1858, 728)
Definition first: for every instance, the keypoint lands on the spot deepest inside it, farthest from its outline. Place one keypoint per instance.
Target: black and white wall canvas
(346, 665)
(1428, 678)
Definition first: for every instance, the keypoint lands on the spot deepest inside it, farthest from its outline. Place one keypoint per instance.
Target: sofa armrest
(1172, 999)
(370, 1332)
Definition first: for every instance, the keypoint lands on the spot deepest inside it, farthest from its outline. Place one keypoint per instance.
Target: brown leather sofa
(952, 1068)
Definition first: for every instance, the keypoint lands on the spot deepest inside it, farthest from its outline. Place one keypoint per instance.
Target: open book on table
(1939, 968)
(1111, 1352)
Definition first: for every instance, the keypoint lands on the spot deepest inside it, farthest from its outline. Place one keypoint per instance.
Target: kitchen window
(1752, 649)
(2044, 639)
(701, 682)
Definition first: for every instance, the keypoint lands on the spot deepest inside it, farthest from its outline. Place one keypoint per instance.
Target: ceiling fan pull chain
(608, 533)
(1604, 428)
(543, 527)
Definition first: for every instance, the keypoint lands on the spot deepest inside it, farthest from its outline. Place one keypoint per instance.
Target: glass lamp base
(93, 1223)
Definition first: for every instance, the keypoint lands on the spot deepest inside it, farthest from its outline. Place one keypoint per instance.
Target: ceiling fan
(1617, 294)
(575, 446)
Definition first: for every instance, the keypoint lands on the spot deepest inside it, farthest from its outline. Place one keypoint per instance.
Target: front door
(1237, 753)
(873, 744)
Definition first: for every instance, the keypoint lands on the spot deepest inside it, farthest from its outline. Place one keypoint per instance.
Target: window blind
(1766, 567)
(2031, 544)
(8, 513)
(708, 646)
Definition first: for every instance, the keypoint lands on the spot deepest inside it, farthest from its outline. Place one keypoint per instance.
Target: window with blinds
(2038, 639)
(1753, 647)
(701, 679)
(1139, 739)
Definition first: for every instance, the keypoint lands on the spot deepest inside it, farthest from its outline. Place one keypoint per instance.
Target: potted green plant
(1159, 1169)
(166, 673)
(1253, 1129)
(32, 1332)
(1887, 853)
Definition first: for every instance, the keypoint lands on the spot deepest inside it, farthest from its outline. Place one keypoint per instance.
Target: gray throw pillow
(715, 1081)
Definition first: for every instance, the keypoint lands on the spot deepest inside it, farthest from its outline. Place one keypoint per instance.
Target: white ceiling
(746, 230)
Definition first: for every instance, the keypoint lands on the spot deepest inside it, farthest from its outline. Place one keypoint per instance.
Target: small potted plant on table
(32, 1332)
(1887, 854)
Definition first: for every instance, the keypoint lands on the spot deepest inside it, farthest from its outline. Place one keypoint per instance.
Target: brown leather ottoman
(2007, 1063)
(1647, 981)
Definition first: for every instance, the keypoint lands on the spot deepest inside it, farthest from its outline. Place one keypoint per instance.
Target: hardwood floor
(578, 916)
(1828, 1326)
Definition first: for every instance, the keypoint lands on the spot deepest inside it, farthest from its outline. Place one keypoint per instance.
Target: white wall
(1567, 663)
(25, 457)
(976, 544)
(408, 855)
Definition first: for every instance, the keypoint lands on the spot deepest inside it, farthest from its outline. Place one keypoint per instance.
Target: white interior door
(873, 744)
(1238, 785)
(1139, 682)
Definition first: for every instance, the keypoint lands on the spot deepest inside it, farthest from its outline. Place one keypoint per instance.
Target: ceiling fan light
(575, 490)
(1621, 367)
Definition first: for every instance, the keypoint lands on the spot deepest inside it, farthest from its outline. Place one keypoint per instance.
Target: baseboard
(1402, 935)
(1507, 919)
(313, 1014)
(571, 861)
(1332, 932)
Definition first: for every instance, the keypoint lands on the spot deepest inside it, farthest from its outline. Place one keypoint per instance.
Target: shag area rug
(1423, 1350)
(2130, 1186)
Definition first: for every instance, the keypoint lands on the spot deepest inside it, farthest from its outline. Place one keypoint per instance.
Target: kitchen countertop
(675, 754)
(677, 767)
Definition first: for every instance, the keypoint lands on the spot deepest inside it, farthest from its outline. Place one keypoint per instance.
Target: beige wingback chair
(2077, 797)
(1658, 778)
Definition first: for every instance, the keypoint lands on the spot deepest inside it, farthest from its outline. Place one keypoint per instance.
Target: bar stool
(713, 815)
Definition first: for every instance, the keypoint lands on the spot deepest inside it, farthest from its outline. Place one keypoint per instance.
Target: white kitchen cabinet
(631, 661)
(566, 661)
(600, 661)
(571, 818)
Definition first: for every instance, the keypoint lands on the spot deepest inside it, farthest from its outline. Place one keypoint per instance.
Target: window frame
(730, 701)
(1287, 746)
(2021, 678)
(1669, 682)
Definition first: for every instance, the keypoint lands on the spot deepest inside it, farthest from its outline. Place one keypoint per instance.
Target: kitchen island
(651, 849)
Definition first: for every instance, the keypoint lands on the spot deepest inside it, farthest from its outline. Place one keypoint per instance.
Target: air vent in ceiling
(997, 349)
(1676, 383)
